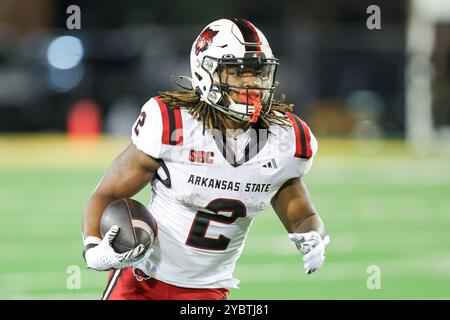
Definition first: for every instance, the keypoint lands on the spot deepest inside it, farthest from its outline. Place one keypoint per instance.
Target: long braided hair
(214, 119)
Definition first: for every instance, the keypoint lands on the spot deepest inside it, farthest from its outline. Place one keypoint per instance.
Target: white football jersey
(209, 188)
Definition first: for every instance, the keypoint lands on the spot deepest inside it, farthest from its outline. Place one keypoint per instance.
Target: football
(136, 225)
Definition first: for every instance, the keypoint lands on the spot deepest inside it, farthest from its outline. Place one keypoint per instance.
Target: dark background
(328, 58)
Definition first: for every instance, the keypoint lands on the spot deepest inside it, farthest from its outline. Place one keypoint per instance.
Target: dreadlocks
(213, 118)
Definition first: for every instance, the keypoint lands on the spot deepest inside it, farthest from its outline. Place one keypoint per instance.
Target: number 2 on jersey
(140, 122)
(197, 236)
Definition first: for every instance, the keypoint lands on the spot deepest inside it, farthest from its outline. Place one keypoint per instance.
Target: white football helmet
(234, 43)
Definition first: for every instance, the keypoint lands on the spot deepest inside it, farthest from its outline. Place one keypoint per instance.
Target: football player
(216, 156)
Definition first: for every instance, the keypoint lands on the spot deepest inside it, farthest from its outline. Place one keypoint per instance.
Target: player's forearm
(112, 187)
(92, 215)
(311, 223)
(129, 173)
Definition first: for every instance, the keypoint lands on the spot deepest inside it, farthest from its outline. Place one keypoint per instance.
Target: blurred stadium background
(378, 101)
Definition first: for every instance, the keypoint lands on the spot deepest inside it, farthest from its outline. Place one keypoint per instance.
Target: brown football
(136, 224)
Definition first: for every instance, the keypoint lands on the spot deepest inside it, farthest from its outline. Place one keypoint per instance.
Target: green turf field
(382, 206)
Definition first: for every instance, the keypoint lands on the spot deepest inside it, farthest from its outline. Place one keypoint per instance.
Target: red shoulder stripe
(298, 147)
(165, 121)
(302, 137)
(307, 138)
(172, 124)
(178, 126)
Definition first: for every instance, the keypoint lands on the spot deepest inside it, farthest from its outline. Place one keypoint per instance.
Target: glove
(100, 255)
(313, 247)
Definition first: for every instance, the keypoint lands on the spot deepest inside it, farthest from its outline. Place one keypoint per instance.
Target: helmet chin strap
(251, 96)
(246, 96)
(239, 109)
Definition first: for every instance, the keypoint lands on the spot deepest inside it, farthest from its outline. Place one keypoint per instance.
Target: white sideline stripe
(142, 225)
(280, 245)
(333, 271)
(111, 285)
(52, 296)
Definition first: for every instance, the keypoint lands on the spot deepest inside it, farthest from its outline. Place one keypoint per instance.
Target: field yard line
(19, 282)
(404, 268)
(53, 296)
(343, 244)
(280, 245)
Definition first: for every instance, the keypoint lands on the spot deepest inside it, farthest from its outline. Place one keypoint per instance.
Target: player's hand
(313, 247)
(100, 255)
